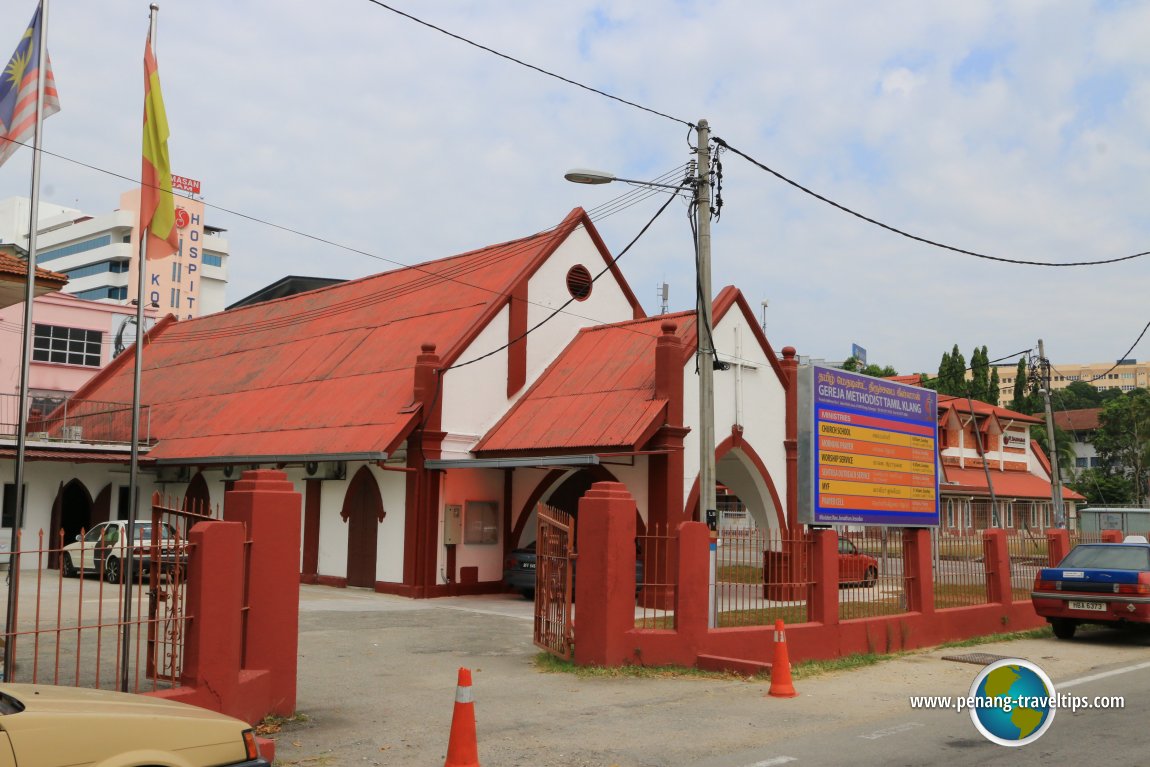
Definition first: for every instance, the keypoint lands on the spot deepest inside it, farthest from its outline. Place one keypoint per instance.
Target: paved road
(377, 683)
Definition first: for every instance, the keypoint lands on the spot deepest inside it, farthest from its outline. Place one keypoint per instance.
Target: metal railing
(959, 570)
(760, 576)
(1028, 553)
(657, 552)
(872, 582)
(84, 421)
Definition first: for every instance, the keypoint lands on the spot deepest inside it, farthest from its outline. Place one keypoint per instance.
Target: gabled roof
(1085, 419)
(599, 393)
(963, 405)
(1008, 484)
(327, 372)
(14, 276)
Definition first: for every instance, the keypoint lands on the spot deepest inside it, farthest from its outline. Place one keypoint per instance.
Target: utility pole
(706, 351)
(1055, 479)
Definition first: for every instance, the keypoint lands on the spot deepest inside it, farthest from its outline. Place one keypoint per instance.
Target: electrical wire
(1115, 366)
(915, 237)
(522, 63)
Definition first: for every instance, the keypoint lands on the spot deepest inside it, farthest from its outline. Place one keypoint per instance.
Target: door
(363, 511)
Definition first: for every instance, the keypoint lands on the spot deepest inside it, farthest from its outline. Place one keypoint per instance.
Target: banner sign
(868, 450)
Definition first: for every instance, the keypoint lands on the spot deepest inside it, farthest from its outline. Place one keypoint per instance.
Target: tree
(979, 385)
(1076, 396)
(1020, 386)
(1063, 444)
(1123, 440)
(993, 393)
(854, 365)
(1102, 489)
(952, 374)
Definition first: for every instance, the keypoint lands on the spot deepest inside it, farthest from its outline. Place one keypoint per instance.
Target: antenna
(765, 303)
(664, 292)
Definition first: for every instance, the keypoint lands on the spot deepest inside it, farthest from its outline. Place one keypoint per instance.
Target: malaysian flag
(18, 84)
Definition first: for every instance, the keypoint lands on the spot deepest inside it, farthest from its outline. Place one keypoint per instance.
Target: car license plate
(528, 565)
(1098, 607)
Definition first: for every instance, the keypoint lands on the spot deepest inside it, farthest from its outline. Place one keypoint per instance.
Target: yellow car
(45, 726)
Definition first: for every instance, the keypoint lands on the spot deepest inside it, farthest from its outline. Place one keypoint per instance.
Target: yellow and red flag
(157, 206)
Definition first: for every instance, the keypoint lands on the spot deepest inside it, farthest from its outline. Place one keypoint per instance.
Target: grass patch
(549, 664)
(870, 609)
(960, 595)
(739, 574)
(812, 668)
(1010, 636)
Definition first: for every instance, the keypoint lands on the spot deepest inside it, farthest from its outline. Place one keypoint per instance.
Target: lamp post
(704, 350)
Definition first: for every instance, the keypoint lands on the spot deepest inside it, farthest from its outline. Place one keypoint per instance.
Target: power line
(1113, 367)
(915, 237)
(522, 63)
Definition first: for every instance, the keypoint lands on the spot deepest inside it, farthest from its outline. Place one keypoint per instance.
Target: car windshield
(1109, 557)
(144, 531)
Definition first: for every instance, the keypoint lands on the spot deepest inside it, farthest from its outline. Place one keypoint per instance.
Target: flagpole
(134, 474)
(26, 356)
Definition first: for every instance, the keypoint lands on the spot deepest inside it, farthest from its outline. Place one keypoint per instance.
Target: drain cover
(977, 658)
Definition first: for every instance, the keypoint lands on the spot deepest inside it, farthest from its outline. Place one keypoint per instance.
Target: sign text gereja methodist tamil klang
(868, 450)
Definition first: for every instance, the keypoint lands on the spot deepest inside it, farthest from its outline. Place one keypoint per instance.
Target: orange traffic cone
(781, 686)
(462, 749)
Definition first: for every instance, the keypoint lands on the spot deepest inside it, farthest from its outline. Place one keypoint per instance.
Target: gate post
(997, 565)
(605, 575)
(269, 507)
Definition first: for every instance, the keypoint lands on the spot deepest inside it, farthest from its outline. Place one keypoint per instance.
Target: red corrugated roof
(1010, 484)
(1085, 419)
(598, 394)
(962, 405)
(324, 372)
(14, 265)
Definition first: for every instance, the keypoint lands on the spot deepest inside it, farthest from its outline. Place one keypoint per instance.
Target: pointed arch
(363, 511)
(198, 498)
(736, 442)
(71, 513)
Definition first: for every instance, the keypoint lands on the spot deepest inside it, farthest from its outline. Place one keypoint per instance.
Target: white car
(102, 551)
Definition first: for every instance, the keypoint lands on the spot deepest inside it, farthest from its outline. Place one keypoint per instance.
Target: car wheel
(112, 570)
(871, 577)
(67, 569)
(1063, 628)
(529, 594)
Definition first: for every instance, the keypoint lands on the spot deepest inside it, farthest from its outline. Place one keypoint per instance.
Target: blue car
(1102, 583)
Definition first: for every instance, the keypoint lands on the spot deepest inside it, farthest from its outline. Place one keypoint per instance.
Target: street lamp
(705, 345)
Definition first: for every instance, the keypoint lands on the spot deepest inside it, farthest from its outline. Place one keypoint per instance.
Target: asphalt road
(377, 686)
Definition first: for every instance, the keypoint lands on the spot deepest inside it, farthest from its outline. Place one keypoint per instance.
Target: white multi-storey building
(99, 253)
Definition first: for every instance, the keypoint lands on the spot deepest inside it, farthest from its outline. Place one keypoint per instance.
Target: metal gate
(555, 582)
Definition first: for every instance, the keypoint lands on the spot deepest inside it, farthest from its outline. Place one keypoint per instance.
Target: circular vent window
(579, 282)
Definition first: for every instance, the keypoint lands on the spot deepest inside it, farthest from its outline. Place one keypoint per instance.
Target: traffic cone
(781, 686)
(462, 749)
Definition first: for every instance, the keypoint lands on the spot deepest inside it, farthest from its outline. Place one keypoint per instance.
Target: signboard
(868, 450)
(184, 184)
(859, 353)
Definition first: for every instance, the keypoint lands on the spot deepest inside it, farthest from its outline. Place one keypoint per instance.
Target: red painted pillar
(996, 558)
(1112, 536)
(1057, 546)
(605, 575)
(823, 602)
(269, 507)
(310, 568)
(214, 606)
(918, 568)
(692, 593)
(665, 479)
(790, 366)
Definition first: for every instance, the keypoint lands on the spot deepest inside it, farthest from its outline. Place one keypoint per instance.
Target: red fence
(225, 637)
(858, 591)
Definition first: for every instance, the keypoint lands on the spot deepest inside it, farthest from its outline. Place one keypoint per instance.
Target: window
(74, 248)
(213, 260)
(950, 512)
(481, 522)
(1080, 463)
(66, 346)
(579, 282)
(96, 294)
(103, 267)
(124, 503)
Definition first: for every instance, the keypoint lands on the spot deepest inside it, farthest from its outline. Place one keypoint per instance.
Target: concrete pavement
(377, 683)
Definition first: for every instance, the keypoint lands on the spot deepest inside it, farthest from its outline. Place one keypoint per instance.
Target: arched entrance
(739, 468)
(72, 513)
(565, 497)
(363, 511)
(198, 498)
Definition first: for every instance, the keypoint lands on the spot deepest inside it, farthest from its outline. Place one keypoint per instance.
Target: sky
(1016, 129)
